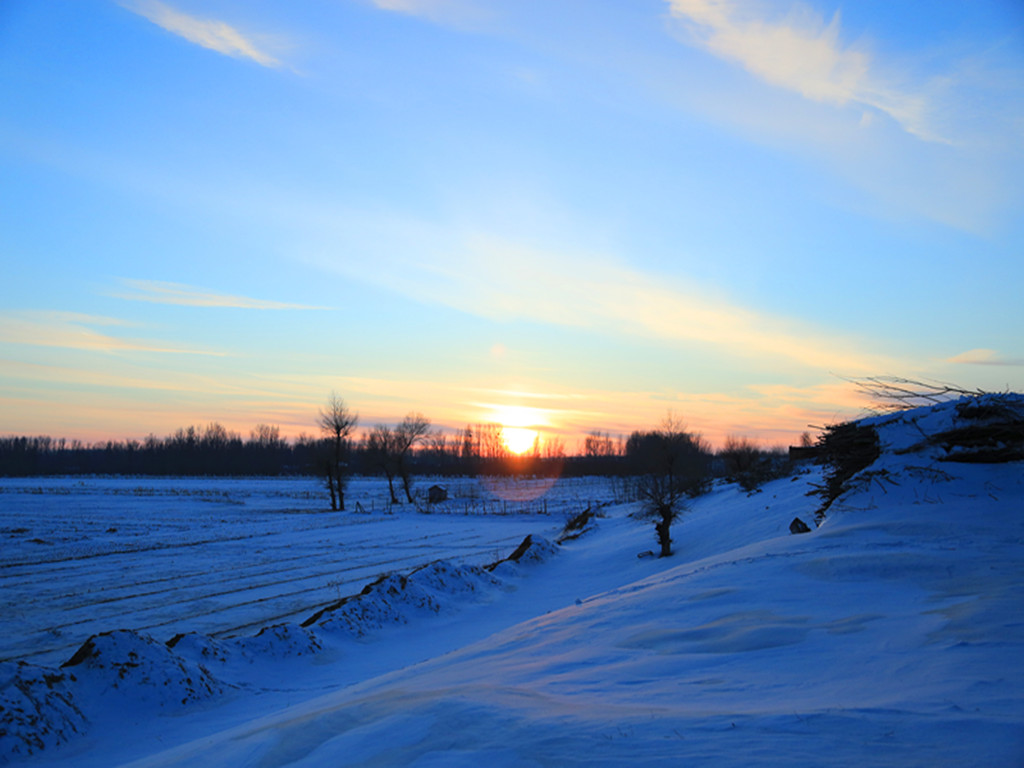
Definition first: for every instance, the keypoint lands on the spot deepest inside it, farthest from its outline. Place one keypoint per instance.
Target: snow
(892, 634)
(225, 556)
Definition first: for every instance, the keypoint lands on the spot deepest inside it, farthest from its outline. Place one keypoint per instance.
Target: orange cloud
(984, 357)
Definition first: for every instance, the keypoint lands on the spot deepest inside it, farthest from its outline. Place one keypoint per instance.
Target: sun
(518, 427)
(518, 439)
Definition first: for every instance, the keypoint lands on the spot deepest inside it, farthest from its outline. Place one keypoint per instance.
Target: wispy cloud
(499, 279)
(803, 53)
(415, 7)
(985, 357)
(209, 33)
(159, 292)
(72, 330)
(458, 13)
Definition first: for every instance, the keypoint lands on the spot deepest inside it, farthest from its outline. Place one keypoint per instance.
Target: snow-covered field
(893, 634)
(230, 556)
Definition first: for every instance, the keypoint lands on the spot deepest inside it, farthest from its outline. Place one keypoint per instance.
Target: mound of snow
(37, 709)
(392, 599)
(203, 649)
(532, 550)
(395, 599)
(280, 641)
(446, 578)
(140, 668)
(540, 550)
(438, 587)
(984, 429)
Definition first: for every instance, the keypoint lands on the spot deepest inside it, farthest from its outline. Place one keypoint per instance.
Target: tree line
(477, 449)
(662, 466)
(195, 450)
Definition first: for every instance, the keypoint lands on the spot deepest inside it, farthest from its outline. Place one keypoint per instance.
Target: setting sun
(518, 439)
(518, 426)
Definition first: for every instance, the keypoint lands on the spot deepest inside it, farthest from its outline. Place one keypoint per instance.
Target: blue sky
(601, 211)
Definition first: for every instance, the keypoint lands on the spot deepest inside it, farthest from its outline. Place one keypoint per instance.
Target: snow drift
(44, 707)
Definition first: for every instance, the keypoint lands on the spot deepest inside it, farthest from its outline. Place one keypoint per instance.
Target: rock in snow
(798, 526)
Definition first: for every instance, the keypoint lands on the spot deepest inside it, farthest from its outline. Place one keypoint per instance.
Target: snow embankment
(126, 670)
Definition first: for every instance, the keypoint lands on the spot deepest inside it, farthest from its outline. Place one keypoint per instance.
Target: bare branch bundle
(895, 393)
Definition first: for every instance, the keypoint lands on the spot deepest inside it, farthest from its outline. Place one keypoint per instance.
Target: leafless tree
(672, 464)
(380, 447)
(554, 448)
(490, 442)
(467, 446)
(390, 448)
(750, 466)
(266, 436)
(336, 421)
(598, 444)
(414, 428)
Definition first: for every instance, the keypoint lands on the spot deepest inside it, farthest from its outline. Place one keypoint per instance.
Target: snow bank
(988, 429)
(139, 667)
(37, 709)
(532, 550)
(435, 588)
(274, 643)
(43, 707)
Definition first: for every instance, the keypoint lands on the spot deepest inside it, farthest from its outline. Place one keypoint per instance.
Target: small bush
(751, 467)
(845, 449)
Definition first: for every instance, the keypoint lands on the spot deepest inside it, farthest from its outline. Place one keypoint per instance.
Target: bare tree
(598, 444)
(554, 448)
(390, 449)
(414, 428)
(337, 422)
(266, 436)
(490, 442)
(380, 446)
(672, 464)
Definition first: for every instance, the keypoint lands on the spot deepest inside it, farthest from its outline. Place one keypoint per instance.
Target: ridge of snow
(42, 706)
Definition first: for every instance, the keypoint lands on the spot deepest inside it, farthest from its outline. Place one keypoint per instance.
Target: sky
(574, 215)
